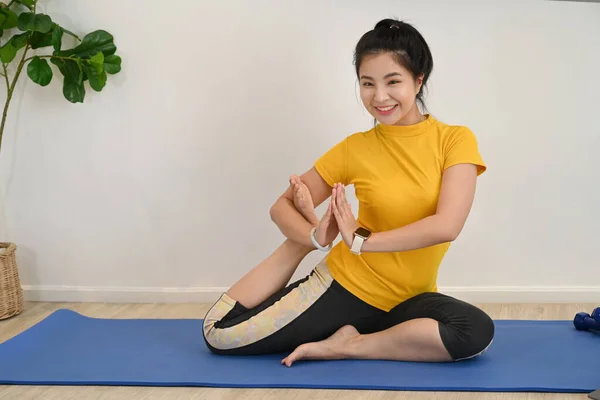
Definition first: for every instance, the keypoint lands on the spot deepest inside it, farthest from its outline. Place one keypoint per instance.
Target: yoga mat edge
(67, 348)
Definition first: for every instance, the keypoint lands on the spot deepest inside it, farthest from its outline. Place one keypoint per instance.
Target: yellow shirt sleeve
(333, 165)
(462, 148)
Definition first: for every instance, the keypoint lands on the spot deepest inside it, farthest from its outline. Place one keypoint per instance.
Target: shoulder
(362, 135)
(360, 140)
(351, 143)
(452, 131)
(459, 145)
(452, 135)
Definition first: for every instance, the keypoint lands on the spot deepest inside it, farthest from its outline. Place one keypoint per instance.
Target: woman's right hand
(327, 228)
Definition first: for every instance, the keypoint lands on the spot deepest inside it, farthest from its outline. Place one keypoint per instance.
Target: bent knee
(208, 334)
(471, 338)
(218, 335)
(213, 339)
(224, 340)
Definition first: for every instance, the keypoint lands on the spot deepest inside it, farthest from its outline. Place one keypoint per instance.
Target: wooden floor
(35, 312)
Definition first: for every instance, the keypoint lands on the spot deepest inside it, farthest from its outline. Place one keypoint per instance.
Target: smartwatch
(360, 235)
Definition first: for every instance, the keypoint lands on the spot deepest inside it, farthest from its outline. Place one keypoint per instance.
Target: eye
(394, 82)
(367, 84)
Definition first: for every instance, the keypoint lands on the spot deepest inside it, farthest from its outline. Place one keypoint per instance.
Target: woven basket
(11, 294)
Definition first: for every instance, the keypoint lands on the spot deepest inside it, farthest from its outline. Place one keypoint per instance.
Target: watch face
(363, 232)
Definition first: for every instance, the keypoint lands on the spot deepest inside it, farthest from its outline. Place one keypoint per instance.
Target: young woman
(374, 295)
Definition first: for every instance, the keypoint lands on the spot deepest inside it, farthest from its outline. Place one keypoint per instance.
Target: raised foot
(303, 200)
(334, 347)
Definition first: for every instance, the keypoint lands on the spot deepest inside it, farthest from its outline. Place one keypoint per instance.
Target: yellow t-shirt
(397, 174)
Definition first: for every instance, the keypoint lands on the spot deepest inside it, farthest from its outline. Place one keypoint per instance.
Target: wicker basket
(11, 294)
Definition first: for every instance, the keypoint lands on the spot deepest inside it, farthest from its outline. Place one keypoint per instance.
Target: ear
(419, 82)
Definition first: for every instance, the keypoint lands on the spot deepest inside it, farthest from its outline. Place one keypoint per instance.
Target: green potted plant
(32, 41)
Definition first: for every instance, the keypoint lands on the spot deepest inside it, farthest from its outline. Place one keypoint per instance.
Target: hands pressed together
(338, 218)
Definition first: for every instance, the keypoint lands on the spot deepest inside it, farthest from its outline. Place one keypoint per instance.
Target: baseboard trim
(474, 294)
(525, 294)
(93, 294)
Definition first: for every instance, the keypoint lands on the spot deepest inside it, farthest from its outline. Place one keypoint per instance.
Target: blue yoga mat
(70, 349)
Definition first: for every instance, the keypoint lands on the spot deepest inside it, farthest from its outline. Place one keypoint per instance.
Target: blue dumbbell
(584, 321)
(596, 314)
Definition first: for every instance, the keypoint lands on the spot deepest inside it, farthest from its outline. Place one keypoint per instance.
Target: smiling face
(388, 90)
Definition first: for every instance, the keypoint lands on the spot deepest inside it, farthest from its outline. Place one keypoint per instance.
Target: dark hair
(404, 41)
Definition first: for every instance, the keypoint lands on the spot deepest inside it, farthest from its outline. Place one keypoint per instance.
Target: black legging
(313, 308)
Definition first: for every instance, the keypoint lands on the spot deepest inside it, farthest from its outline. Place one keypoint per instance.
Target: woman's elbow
(451, 236)
(274, 210)
(452, 232)
(448, 229)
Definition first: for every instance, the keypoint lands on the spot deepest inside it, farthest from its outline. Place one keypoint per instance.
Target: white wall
(158, 189)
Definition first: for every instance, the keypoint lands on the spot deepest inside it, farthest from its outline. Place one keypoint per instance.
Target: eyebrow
(385, 77)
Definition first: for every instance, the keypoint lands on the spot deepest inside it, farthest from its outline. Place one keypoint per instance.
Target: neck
(412, 118)
(408, 127)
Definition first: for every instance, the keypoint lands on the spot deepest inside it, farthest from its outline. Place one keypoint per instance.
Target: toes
(286, 361)
(293, 357)
(289, 360)
(295, 182)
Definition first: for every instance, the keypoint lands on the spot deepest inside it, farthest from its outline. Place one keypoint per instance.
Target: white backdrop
(159, 188)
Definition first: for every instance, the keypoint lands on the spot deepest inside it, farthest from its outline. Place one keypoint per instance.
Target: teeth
(385, 108)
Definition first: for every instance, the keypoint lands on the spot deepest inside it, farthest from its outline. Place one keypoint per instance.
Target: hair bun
(388, 24)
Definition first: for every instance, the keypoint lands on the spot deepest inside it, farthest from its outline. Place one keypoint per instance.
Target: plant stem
(11, 89)
(60, 58)
(6, 77)
(71, 33)
(14, 1)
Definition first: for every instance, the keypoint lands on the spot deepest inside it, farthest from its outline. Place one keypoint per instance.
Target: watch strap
(357, 243)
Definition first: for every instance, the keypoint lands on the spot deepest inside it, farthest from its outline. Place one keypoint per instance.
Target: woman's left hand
(343, 214)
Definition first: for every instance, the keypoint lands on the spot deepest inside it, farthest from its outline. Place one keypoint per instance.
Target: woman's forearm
(291, 223)
(426, 232)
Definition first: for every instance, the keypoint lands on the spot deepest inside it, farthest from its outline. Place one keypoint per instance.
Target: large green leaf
(9, 18)
(39, 71)
(92, 43)
(51, 38)
(35, 22)
(8, 52)
(57, 35)
(20, 40)
(112, 64)
(97, 61)
(96, 78)
(74, 91)
(39, 40)
(73, 88)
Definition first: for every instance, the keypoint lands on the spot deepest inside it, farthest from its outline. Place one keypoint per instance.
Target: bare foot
(303, 200)
(332, 348)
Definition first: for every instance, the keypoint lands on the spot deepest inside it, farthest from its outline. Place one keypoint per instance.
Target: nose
(381, 95)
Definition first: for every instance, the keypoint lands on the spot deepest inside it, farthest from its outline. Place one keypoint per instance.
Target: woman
(374, 296)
